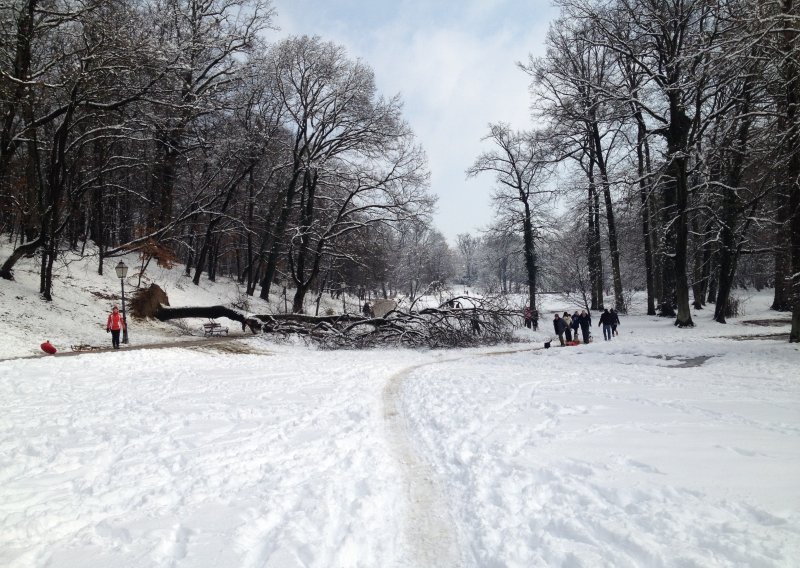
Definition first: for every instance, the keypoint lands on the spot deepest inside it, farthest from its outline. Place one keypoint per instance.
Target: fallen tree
(459, 322)
(451, 324)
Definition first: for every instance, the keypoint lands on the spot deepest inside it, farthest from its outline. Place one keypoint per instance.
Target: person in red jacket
(114, 325)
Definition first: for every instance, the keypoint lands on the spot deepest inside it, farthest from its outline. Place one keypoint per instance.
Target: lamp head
(121, 269)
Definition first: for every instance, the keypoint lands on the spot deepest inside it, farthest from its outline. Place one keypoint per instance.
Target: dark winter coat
(614, 318)
(605, 319)
(576, 321)
(586, 321)
(559, 325)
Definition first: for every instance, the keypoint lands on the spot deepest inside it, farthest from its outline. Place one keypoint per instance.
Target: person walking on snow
(614, 322)
(568, 325)
(114, 325)
(586, 324)
(576, 323)
(559, 325)
(526, 315)
(605, 321)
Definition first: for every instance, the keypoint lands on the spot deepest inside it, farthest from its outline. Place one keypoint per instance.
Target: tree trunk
(655, 245)
(166, 314)
(782, 300)
(598, 252)
(684, 316)
(613, 246)
(643, 165)
(298, 266)
(530, 255)
(732, 210)
(268, 237)
(56, 179)
(676, 197)
(593, 242)
(164, 181)
(13, 98)
(697, 269)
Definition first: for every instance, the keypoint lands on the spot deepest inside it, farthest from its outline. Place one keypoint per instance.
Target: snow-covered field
(663, 447)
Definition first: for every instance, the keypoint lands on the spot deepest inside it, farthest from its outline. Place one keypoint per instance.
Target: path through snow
(428, 525)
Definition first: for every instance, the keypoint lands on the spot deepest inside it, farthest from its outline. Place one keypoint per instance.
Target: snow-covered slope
(82, 300)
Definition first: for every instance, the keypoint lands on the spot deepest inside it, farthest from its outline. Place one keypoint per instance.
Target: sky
(454, 64)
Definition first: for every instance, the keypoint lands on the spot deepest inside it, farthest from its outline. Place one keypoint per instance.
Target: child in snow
(614, 322)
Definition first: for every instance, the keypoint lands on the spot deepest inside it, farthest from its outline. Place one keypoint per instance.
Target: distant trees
(173, 126)
(467, 247)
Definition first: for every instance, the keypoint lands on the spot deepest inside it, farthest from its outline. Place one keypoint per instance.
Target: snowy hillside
(83, 299)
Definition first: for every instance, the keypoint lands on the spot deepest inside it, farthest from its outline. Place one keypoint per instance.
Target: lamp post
(122, 272)
(344, 306)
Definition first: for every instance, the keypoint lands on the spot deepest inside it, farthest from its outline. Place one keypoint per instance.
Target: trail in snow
(215, 343)
(429, 526)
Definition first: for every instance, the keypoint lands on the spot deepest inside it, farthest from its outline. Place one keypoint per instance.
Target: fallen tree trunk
(211, 312)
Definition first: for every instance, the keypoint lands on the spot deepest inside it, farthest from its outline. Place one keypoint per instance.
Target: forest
(664, 157)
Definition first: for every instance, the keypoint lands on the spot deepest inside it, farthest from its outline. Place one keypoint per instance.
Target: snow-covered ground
(663, 447)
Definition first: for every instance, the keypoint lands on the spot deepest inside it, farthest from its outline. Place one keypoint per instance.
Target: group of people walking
(567, 326)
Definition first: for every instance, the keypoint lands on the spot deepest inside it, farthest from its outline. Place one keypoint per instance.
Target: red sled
(573, 343)
(47, 347)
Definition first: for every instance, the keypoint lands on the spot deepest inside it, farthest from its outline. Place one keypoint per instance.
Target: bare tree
(519, 163)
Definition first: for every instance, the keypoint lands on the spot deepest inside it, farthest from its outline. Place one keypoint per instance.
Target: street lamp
(122, 272)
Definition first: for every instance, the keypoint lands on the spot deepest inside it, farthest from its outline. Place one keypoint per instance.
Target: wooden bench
(213, 328)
